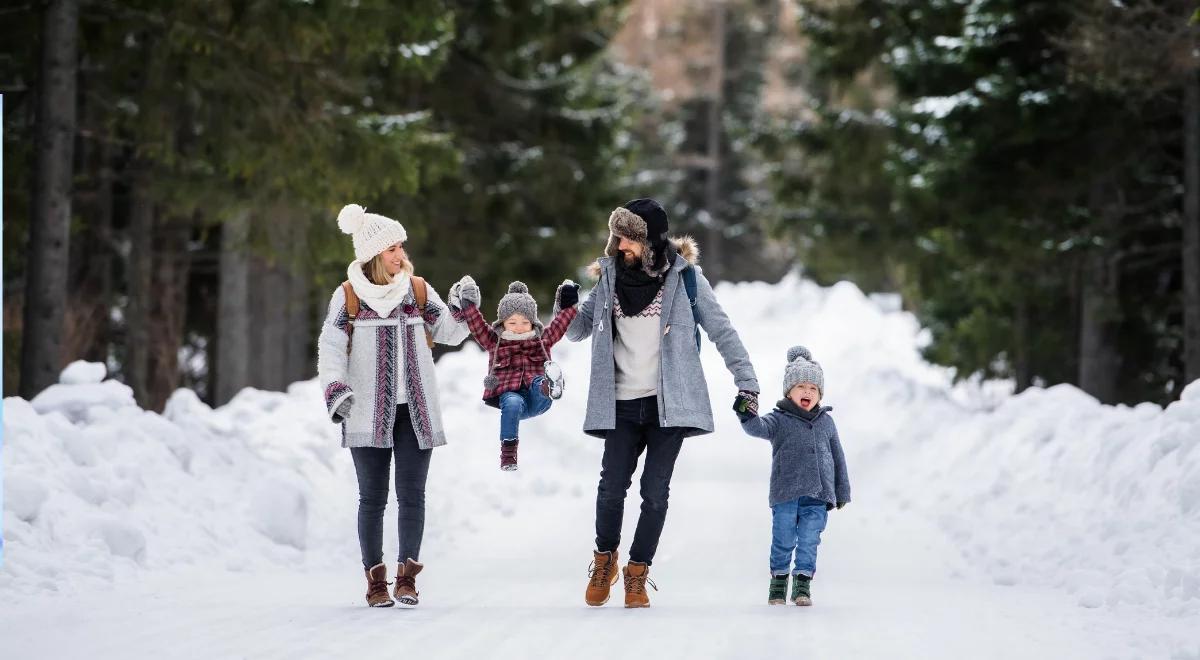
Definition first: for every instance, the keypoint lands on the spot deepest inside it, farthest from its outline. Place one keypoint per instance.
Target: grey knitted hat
(518, 301)
(802, 369)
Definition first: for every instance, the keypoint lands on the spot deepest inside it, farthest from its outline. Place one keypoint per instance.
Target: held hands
(567, 295)
(746, 404)
(464, 293)
(829, 507)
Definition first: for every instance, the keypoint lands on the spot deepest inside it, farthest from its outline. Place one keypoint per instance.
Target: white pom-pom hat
(802, 368)
(372, 233)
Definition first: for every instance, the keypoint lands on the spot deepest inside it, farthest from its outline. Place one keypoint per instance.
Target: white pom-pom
(799, 351)
(351, 218)
(518, 287)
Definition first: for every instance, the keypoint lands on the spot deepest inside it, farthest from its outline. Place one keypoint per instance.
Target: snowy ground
(982, 526)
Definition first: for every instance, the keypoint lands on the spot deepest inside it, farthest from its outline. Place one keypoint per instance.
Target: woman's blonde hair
(377, 272)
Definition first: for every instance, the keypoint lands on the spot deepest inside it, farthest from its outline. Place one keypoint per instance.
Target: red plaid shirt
(515, 363)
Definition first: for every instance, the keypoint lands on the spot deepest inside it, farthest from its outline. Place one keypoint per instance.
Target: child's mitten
(567, 295)
(463, 293)
(746, 404)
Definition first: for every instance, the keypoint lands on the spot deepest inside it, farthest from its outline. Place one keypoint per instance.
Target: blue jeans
(524, 403)
(796, 526)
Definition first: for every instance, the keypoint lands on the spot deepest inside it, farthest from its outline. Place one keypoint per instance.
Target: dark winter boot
(778, 592)
(800, 590)
(406, 582)
(377, 593)
(508, 455)
(637, 575)
(601, 577)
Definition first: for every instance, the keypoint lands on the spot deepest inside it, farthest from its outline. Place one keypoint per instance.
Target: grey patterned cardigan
(369, 371)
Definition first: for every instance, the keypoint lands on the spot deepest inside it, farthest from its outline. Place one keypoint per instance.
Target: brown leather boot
(377, 595)
(406, 583)
(603, 575)
(636, 577)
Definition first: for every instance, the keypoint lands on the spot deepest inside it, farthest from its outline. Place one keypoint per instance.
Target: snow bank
(1048, 488)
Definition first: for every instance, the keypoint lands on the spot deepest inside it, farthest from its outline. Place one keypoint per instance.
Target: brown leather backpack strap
(351, 312)
(422, 296)
(351, 303)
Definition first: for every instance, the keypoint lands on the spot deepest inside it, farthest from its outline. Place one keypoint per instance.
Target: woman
(376, 369)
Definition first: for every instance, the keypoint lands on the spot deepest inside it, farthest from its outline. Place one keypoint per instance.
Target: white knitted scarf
(382, 298)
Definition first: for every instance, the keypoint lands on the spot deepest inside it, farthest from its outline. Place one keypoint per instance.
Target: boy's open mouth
(805, 402)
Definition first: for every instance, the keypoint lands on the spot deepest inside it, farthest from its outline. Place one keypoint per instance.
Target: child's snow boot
(801, 595)
(406, 582)
(778, 592)
(602, 576)
(508, 455)
(637, 575)
(377, 595)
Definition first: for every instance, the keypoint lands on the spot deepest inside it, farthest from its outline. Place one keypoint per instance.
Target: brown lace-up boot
(406, 582)
(602, 576)
(636, 577)
(377, 593)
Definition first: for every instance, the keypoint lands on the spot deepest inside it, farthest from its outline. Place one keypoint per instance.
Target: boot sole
(407, 604)
(803, 602)
(776, 601)
(634, 606)
(508, 468)
(387, 604)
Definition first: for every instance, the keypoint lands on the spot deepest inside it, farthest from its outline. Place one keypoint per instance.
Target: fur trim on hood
(685, 246)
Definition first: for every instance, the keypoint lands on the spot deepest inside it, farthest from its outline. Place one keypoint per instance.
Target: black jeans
(372, 464)
(637, 430)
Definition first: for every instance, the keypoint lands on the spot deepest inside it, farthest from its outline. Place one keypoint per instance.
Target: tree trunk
(232, 360)
(172, 267)
(88, 322)
(269, 299)
(300, 363)
(49, 233)
(140, 278)
(1191, 227)
(714, 237)
(1099, 314)
(1022, 364)
(100, 264)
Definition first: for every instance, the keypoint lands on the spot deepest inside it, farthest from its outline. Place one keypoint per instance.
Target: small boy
(518, 349)
(808, 472)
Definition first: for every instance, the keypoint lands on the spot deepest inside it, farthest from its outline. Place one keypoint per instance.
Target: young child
(808, 472)
(518, 349)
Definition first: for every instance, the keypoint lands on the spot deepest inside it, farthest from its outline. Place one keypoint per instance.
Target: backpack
(419, 292)
(689, 284)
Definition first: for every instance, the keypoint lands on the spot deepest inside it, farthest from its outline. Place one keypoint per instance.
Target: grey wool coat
(806, 456)
(682, 391)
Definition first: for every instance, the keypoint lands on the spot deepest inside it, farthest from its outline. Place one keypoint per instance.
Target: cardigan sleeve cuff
(335, 394)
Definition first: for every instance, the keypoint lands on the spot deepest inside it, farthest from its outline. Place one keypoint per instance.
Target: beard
(630, 259)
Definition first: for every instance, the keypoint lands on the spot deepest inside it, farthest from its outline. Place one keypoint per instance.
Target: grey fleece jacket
(806, 456)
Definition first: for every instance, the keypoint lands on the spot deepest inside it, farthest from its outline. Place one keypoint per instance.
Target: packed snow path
(954, 545)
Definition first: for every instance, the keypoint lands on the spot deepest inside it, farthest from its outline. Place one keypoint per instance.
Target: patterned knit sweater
(637, 349)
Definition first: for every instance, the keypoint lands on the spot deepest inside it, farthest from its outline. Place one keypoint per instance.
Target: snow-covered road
(126, 549)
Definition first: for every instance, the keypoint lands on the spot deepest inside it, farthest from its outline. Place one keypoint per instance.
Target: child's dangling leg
(512, 409)
(537, 397)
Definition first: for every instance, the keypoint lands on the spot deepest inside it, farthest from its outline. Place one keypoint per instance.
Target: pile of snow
(1048, 488)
